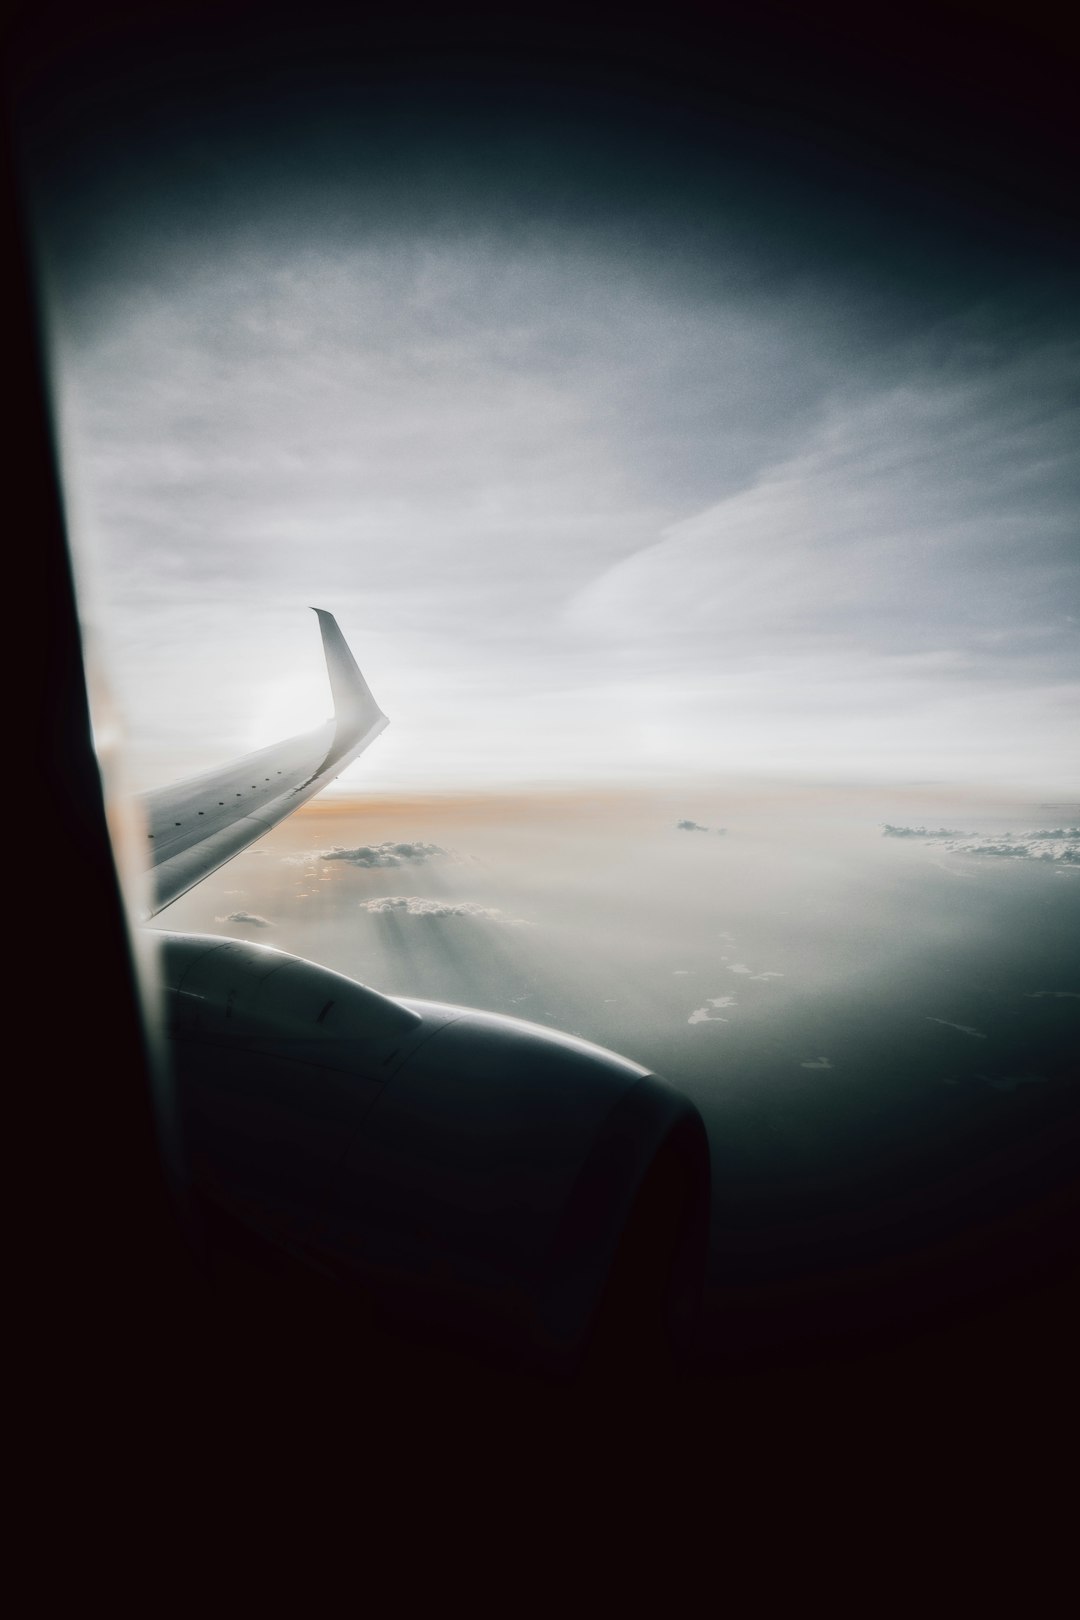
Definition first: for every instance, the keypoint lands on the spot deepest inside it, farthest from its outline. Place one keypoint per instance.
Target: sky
(628, 432)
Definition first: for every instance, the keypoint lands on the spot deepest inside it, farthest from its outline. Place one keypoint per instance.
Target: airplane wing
(194, 827)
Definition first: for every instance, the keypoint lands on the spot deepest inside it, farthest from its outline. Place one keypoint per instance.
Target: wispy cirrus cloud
(752, 525)
(895, 584)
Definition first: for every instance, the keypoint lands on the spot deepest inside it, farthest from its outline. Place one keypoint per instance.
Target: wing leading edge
(194, 827)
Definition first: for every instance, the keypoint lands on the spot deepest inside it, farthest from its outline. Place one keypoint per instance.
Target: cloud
(866, 525)
(1060, 845)
(965, 1029)
(417, 906)
(754, 520)
(385, 854)
(889, 831)
(695, 826)
(270, 392)
(702, 1015)
(892, 588)
(251, 918)
(1060, 995)
(816, 1063)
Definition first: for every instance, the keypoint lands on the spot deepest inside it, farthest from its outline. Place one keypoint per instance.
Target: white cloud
(1060, 845)
(418, 906)
(702, 1015)
(888, 831)
(251, 918)
(860, 530)
(385, 854)
(890, 591)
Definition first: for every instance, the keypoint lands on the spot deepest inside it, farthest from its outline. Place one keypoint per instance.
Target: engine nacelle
(470, 1170)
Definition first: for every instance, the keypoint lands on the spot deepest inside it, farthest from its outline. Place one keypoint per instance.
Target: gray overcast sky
(599, 484)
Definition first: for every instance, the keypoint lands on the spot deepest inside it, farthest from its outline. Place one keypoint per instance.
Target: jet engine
(465, 1170)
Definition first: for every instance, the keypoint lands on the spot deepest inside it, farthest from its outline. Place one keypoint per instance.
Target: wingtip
(353, 700)
(327, 622)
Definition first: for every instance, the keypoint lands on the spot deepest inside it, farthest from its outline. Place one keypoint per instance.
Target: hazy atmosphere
(625, 435)
(579, 516)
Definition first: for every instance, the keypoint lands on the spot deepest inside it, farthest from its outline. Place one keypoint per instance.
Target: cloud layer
(752, 522)
(1060, 845)
(1056, 844)
(385, 854)
(401, 905)
(889, 831)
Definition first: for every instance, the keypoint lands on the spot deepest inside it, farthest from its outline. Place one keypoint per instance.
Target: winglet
(196, 826)
(355, 710)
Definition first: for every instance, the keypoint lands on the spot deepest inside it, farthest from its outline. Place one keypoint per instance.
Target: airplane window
(698, 503)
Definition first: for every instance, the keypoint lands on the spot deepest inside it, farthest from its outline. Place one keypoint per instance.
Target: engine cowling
(489, 1176)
